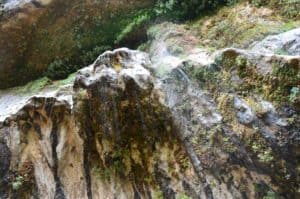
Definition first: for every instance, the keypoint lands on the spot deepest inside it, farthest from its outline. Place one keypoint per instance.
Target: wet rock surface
(204, 128)
(287, 43)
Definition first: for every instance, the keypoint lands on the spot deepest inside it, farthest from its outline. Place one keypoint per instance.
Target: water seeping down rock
(138, 129)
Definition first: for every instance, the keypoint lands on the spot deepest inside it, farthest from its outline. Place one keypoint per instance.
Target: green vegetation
(186, 9)
(289, 8)
(17, 183)
(69, 80)
(108, 33)
(227, 27)
(61, 50)
(264, 154)
(295, 94)
(23, 180)
(33, 86)
(136, 22)
(271, 195)
(59, 69)
(158, 195)
(183, 196)
(278, 85)
(102, 173)
(265, 192)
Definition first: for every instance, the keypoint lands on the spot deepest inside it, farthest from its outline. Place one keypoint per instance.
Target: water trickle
(184, 75)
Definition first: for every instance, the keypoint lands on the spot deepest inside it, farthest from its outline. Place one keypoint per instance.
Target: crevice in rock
(5, 157)
(164, 183)
(59, 192)
(189, 189)
(86, 158)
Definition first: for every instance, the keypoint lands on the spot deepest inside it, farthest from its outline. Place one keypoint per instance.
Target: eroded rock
(130, 132)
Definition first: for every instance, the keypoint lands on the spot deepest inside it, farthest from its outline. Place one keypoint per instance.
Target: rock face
(118, 140)
(36, 34)
(287, 43)
(133, 132)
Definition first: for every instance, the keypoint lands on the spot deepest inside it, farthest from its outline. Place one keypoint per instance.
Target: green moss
(284, 77)
(32, 87)
(102, 173)
(225, 106)
(259, 146)
(266, 156)
(229, 28)
(37, 85)
(183, 196)
(158, 195)
(275, 85)
(289, 25)
(288, 8)
(16, 185)
(265, 192)
(69, 80)
(271, 195)
(22, 181)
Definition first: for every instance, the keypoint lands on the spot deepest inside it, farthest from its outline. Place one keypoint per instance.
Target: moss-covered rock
(273, 76)
(241, 24)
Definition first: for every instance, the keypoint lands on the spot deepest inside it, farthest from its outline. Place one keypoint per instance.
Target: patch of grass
(35, 86)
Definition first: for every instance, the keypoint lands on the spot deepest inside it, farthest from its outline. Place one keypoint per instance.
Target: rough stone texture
(34, 34)
(274, 76)
(287, 43)
(5, 157)
(131, 132)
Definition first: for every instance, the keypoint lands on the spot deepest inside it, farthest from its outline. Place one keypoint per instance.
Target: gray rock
(244, 113)
(287, 43)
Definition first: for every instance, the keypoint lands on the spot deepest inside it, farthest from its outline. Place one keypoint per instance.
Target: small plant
(183, 196)
(271, 195)
(294, 94)
(23, 178)
(158, 194)
(266, 156)
(16, 185)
